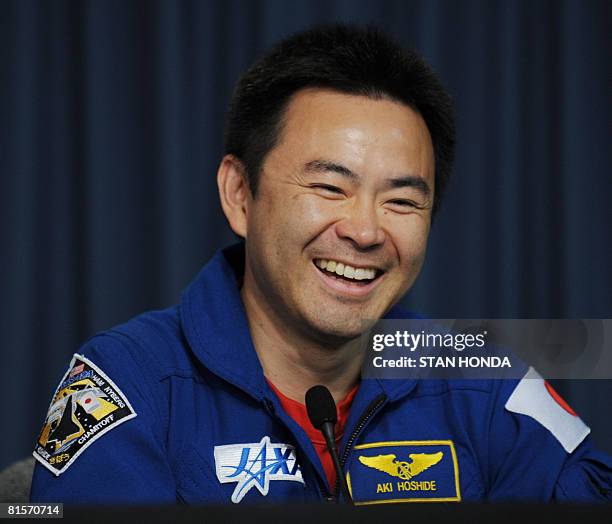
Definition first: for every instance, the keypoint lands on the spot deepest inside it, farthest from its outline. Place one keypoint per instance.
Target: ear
(234, 193)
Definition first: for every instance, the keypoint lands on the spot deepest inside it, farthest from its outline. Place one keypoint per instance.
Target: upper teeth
(356, 273)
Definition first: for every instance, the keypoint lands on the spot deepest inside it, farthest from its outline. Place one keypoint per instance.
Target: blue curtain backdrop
(111, 118)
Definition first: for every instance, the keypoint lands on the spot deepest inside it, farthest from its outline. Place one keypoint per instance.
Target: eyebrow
(413, 181)
(321, 166)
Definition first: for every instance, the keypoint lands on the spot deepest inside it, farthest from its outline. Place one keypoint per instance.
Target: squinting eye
(405, 206)
(331, 189)
(403, 203)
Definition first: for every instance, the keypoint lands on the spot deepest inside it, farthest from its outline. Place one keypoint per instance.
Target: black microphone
(321, 410)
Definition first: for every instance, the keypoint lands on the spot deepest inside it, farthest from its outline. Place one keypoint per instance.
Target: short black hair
(347, 59)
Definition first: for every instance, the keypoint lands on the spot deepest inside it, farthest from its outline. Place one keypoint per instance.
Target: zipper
(327, 495)
(370, 411)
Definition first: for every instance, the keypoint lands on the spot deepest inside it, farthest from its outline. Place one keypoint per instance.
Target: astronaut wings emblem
(255, 465)
(404, 470)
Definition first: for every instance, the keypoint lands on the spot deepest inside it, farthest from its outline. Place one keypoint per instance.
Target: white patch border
(517, 403)
(265, 441)
(58, 472)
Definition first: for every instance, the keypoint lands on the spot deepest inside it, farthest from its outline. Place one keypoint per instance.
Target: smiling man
(338, 148)
(336, 233)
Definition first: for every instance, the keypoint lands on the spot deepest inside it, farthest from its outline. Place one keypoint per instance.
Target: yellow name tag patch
(404, 471)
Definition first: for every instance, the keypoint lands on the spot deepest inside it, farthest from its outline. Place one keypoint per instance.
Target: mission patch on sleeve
(85, 405)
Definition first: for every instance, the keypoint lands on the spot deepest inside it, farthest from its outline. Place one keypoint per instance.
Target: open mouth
(355, 276)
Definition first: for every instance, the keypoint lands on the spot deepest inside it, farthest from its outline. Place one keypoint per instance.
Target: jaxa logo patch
(85, 405)
(255, 465)
(406, 471)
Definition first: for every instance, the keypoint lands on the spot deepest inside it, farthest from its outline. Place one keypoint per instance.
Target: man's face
(349, 185)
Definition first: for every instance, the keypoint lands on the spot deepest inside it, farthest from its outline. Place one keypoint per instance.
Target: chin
(338, 331)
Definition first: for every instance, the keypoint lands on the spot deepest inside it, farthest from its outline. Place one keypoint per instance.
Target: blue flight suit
(173, 406)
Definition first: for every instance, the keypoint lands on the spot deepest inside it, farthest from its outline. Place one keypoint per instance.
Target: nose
(361, 225)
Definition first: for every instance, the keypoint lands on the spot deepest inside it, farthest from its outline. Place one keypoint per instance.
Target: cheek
(311, 214)
(411, 244)
(282, 225)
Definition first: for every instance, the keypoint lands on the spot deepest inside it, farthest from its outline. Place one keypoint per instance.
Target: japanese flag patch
(85, 406)
(534, 397)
